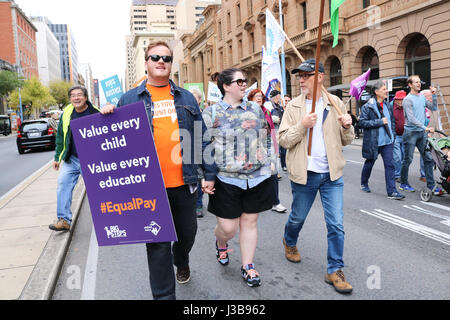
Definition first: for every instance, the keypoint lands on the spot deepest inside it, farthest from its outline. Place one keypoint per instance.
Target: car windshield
(40, 126)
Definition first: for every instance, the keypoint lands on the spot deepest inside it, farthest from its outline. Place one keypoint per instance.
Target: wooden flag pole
(316, 72)
(338, 110)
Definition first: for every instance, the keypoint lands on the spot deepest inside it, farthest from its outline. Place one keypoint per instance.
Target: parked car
(5, 125)
(35, 134)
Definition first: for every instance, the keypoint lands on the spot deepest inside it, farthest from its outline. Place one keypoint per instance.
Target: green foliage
(8, 82)
(59, 90)
(34, 94)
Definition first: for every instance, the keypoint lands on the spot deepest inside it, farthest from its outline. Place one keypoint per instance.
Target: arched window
(335, 72)
(370, 60)
(418, 59)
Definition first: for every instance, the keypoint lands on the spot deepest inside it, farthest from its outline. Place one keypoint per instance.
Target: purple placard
(123, 178)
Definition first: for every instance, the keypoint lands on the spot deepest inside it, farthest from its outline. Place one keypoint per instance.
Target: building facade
(49, 63)
(86, 72)
(68, 52)
(18, 40)
(392, 37)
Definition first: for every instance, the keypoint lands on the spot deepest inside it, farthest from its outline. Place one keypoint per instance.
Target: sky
(98, 26)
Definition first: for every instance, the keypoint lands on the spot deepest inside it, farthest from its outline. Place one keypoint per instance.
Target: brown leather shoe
(291, 253)
(337, 279)
(60, 225)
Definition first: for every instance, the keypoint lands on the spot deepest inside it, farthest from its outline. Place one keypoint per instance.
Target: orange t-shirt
(167, 136)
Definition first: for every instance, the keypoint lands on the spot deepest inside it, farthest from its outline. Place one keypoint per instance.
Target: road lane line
(430, 213)
(90, 273)
(437, 205)
(410, 225)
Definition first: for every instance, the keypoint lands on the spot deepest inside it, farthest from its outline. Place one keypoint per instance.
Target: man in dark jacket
(67, 152)
(173, 112)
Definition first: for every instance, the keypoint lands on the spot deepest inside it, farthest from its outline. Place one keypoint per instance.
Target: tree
(59, 90)
(9, 81)
(34, 94)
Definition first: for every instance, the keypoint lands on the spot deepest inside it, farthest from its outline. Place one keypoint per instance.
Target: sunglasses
(305, 76)
(155, 58)
(240, 82)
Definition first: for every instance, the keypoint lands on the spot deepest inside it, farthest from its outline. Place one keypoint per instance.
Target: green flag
(334, 23)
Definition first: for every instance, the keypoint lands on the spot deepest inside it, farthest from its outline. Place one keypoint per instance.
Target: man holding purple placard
(173, 113)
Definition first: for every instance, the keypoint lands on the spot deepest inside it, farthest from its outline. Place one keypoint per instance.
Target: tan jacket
(293, 137)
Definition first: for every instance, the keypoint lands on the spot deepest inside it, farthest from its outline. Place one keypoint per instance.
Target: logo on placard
(153, 228)
(115, 232)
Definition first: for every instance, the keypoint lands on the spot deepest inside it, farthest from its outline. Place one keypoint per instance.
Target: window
(228, 21)
(417, 59)
(370, 60)
(335, 72)
(238, 13)
(252, 42)
(230, 54)
(305, 22)
(250, 7)
(240, 48)
(366, 3)
(219, 30)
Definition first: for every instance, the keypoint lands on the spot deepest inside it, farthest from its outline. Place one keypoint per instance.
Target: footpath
(31, 254)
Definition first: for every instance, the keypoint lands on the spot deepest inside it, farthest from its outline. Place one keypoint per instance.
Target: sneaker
(183, 275)
(365, 188)
(250, 275)
(396, 196)
(423, 179)
(284, 169)
(291, 253)
(337, 279)
(406, 187)
(437, 191)
(279, 208)
(222, 255)
(279, 177)
(199, 212)
(60, 225)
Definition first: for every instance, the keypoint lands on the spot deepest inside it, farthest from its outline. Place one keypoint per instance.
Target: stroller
(440, 152)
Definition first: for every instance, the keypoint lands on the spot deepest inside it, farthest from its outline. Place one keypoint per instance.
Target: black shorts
(229, 201)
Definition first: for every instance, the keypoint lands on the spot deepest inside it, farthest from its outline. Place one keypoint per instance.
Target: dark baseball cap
(274, 93)
(308, 66)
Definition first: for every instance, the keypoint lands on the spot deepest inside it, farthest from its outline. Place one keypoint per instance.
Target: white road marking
(358, 162)
(410, 225)
(447, 208)
(90, 274)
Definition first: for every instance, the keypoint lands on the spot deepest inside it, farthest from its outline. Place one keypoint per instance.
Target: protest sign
(214, 94)
(199, 87)
(123, 178)
(112, 89)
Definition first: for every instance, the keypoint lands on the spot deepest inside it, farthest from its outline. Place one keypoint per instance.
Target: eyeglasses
(155, 58)
(240, 82)
(258, 96)
(305, 76)
(79, 95)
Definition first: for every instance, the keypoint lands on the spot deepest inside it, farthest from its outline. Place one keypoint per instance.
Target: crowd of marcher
(254, 139)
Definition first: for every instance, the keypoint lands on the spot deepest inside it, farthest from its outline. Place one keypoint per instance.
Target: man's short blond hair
(154, 44)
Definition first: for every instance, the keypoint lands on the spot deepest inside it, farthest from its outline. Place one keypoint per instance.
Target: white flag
(270, 73)
(274, 35)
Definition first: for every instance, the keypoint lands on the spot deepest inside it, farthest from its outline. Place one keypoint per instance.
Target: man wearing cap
(399, 117)
(277, 115)
(322, 171)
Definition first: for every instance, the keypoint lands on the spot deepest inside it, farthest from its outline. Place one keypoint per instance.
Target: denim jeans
(283, 157)
(399, 154)
(67, 179)
(275, 183)
(163, 255)
(412, 139)
(331, 194)
(199, 193)
(387, 153)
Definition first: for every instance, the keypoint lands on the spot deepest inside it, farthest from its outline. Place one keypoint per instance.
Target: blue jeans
(67, 179)
(331, 194)
(387, 153)
(412, 139)
(199, 195)
(399, 154)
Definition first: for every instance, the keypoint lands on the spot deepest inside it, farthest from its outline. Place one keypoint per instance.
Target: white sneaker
(279, 208)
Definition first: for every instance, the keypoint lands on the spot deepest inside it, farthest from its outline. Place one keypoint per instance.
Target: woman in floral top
(243, 186)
